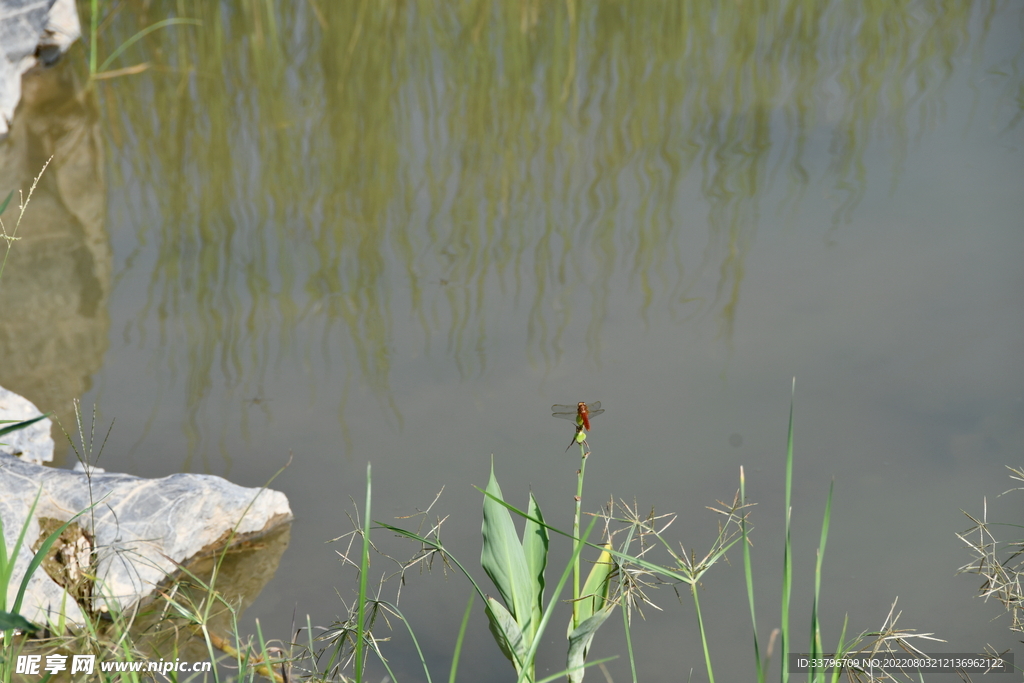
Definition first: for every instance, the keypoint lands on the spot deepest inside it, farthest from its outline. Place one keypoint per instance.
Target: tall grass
(619, 579)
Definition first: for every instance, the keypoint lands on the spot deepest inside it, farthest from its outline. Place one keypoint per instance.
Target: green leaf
(7, 562)
(595, 589)
(579, 643)
(503, 559)
(9, 620)
(21, 425)
(535, 548)
(506, 631)
(3, 205)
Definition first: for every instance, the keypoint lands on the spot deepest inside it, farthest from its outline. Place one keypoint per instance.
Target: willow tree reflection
(313, 171)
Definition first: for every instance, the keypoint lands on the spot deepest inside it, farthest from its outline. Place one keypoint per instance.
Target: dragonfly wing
(564, 412)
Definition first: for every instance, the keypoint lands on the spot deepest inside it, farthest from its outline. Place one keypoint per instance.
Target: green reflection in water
(307, 162)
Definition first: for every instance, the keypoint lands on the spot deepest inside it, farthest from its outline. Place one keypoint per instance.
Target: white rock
(139, 530)
(32, 443)
(32, 32)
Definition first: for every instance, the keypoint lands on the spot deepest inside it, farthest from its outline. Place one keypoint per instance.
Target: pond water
(347, 233)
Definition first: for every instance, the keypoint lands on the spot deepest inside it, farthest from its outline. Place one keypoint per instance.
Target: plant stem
(364, 568)
(576, 534)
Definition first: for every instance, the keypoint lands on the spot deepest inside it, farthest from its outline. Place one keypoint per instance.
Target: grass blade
(816, 647)
(748, 575)
(364, 568)
(140, 35)
(20, 425)
(787, 557)
(461, 637)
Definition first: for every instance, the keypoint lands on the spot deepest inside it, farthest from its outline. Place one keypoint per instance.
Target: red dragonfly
(579, 413)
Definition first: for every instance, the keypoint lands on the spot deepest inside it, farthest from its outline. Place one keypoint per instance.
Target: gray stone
(132, 539)
(32, 33)
(33, 443)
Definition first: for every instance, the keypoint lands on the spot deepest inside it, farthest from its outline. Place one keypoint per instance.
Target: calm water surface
(396, 234)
